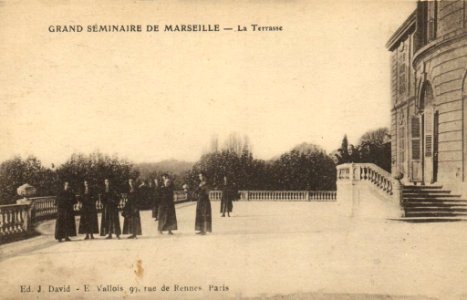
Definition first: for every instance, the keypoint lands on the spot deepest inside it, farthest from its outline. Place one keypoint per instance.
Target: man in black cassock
(156, 198)
(65, 225)
(167, 217)
(132, 221)
(228, 194)
(203, 221)
(88, 223)
(110, 223)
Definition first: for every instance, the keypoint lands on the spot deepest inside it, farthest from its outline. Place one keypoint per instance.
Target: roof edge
(404, 29)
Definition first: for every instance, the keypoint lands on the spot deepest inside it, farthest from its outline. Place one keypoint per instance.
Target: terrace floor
(303, 250)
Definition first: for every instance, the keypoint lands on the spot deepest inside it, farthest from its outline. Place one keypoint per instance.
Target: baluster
(21, 219)
(2, 223)
(9, 221)
(15, 220)
(6, 218)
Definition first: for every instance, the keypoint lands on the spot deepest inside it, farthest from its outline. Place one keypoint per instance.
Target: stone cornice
(405, 29)
(436, 45)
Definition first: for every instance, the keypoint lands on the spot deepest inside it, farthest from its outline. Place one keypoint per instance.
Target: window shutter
(415, 132)
(428, 133)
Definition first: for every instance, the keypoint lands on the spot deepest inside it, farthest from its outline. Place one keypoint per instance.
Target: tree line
(305, 167)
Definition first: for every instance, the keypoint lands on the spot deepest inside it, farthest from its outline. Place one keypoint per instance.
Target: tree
(375, 149)
(312, 170)
(95, 167)
(342, 154)
(16, 171)
(377, 136)
(307, 166)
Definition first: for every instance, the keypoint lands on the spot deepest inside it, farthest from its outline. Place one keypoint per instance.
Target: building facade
(429, 94)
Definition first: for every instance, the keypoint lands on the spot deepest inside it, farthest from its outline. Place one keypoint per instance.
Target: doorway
(430, 136)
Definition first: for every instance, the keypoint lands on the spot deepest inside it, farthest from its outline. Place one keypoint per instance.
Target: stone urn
(26, 190)
(398, 176)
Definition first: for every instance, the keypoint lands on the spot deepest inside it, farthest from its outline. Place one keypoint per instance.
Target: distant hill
(172, 166)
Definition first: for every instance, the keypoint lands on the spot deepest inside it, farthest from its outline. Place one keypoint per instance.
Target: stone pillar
(397, 188)
(26, 213)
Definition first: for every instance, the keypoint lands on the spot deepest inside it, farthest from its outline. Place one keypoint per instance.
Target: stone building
(429, 94)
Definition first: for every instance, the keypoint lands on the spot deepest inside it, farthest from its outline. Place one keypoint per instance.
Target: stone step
(423, 186)
(432, 203)
(437, 208)
(429, 195)
(434, 200)
(438, 205)
(418, 196)
(431, 219)
(424, 189)
(434, 214)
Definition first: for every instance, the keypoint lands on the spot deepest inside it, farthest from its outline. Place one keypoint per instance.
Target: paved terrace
(266, 249)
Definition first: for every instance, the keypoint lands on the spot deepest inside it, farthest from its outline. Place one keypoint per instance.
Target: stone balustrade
(365, 188)
(14, 221)
(180, 196)
(322, 196)
(42, 208)
(379, 177)
(216, 195)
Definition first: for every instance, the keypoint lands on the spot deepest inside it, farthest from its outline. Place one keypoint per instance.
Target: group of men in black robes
(163, 209)
(110, 222)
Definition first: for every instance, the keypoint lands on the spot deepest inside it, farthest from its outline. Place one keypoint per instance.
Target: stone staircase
(432, 204)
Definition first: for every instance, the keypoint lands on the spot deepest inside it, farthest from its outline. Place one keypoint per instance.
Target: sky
(151, 96)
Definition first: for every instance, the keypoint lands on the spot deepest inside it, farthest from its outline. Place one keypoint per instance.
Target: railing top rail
(368, 165)
(377, 168)
(280, 191)
(276, 191)
(13, 205)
